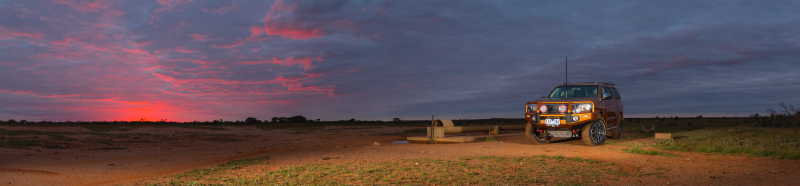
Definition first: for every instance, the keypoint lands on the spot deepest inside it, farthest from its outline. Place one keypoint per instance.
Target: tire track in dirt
(181, 169)
(41, 172)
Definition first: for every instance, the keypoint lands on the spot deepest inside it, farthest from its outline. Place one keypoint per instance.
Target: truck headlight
(581, 107)
(532, 108)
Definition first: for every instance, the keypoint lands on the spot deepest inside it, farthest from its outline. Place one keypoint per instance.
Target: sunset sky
(185, 60)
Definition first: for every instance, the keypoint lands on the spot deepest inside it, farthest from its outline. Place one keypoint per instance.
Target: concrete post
(432, 129)
(773, 120)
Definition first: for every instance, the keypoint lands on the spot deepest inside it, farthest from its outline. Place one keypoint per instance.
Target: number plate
(552, 122)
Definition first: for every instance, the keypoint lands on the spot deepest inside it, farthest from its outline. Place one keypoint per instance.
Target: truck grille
(552, 108)
(552, 117)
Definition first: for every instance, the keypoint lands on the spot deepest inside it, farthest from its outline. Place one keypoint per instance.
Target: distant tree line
(280, 120)
(293, 119)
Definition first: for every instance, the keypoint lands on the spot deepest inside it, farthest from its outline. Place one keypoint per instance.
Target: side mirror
(606, 96)
(544, 95)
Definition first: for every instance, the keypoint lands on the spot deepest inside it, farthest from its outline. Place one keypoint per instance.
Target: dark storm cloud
(199, 60)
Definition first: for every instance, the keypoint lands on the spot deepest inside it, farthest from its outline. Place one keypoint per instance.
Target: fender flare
(604, 116)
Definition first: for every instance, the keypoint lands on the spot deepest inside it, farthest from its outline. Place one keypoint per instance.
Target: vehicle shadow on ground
(566, 140)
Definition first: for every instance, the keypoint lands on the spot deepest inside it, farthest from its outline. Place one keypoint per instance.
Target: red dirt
(147, 162)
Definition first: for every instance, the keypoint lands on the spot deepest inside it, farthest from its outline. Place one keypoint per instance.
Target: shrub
(251, 120)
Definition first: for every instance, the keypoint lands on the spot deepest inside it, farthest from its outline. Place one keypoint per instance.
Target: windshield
(575, 91)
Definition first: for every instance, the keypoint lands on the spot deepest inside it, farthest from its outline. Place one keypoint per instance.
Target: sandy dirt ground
(85, 163)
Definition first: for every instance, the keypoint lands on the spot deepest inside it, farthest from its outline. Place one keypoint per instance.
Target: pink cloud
(287, 29)
(31, 35)
(65, 42)
(199, 37)
(222, 10)
(84, 5)
(184, 50)
(237, 43)
(171, 4)
(228, 46)
(292, 85)
(306, 62)
(280, 6)
(135, 51)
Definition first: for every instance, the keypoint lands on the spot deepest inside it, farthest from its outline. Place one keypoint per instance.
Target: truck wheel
(594, 134)
(617, 133)
(534, 136)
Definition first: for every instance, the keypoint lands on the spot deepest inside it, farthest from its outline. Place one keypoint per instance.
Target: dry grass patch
(555, 170)
(759, 142)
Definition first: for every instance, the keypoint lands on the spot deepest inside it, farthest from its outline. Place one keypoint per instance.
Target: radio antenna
(566, 78)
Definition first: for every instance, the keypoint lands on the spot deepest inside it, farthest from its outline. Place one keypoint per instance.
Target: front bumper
(566, 119)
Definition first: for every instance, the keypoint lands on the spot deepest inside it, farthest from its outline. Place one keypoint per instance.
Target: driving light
(562, 108)
(575, 118)
(581, 107)
(543, 109)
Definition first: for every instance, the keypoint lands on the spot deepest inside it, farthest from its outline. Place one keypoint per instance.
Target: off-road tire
(617, 133)
(534, 136)
(594, 134)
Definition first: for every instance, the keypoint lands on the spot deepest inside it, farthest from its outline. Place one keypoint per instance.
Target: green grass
(637, 149)
(407, 132)
(18, 143)
(758, 142)
(244, 162)
(195, 174)
(464, 171)
(51, 134)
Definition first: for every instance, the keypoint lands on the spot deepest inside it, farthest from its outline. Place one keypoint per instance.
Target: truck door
(610, 107)
(618, 100)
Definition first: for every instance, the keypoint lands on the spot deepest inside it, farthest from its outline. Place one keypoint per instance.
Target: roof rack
(593, 83)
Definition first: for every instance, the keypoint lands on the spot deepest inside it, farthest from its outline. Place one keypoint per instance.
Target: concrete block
(663, 136)
(438, 132)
